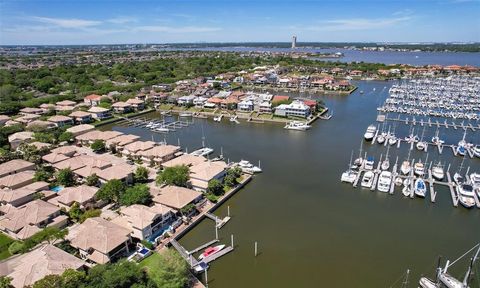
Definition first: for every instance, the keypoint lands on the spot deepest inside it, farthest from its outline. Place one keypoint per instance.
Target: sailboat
(204, 151)
(406, 191)
(359, 161)
(406, 167)
(436, 139)
(350, 175)
(386, 163)
(462, 145)
(420, 187)
(421, 145)
(437, 171)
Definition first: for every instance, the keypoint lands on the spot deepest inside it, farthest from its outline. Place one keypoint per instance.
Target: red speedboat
(210, 251)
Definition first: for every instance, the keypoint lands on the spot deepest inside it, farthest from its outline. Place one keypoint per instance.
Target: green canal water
(312, 230)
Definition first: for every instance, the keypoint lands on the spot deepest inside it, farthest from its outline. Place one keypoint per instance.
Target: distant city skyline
(54, 22)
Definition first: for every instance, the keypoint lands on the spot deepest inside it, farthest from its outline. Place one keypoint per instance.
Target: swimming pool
(57, 189)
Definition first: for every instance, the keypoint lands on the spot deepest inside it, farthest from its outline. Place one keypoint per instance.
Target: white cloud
(185, 29)
(358, 24)
(67, 23)
(122, 20)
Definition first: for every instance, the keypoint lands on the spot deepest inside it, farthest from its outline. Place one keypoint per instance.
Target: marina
(322, 154)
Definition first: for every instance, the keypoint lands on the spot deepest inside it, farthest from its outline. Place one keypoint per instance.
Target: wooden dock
(453, 192)
(445, 124)
(217, 255)
(201, 247)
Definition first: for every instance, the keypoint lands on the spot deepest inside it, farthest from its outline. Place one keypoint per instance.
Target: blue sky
(112, 22)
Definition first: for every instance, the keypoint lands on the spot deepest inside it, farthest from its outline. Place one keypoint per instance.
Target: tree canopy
(176, 175)
(137, 194)
(111, 191)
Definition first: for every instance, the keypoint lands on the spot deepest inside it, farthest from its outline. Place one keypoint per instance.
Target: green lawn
(5, 241)
(150, 260)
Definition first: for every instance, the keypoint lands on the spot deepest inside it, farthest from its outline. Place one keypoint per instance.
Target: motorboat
(476, 150)
(437, 172)
(392, 140)
(466, 195)
(384, 181)
(367, 179)
(248, 167)
(406, 191)
(370, 133)
(421, 145)
(234, 119)
(369, 163)
(475, 179)
(419, 169)
(218, 118)
(297, 125)
(437, 141)
(458, 178)
(427, 283)
(462, 148)
(349, 176)
(420, 188)
(185, 114)
(161, 129)
(405, 168)
(381, 138)
(358, 162)
(210, 251)
(398, 181)
(385, 164)
(205, 151)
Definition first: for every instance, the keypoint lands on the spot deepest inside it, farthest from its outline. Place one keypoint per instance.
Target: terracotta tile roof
(175, 197)
(207, 170)
(59, 118)
(32, 213)
(79, 194)
(116, 172)
(93, 97)
(17, 180)
(185, 159)
(15, 165)
(54, 158)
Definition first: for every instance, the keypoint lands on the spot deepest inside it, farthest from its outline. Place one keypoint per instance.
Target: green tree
(169, 271)
(49, 281)
(5, 282)
(215, 187)
(176, 175)
(123, 274)
(141, 174)
(65, 137)
(75, 211)
(65, 177)
(43, 173)
(111, 191)
(138, 194)
(73, 278)
(98, 146)
(90, 214)
(92, 180)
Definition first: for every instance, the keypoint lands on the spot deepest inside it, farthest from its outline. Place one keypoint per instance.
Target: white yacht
(381, 138)
(297, 125)
(234, 119)
(466, 195)
(419, 169)
(405, 168)
(385, 164)
(384, 181)
(421, 145)
(406, 191)
(420, 188)
(161, 129)
(367, 179)
(218, 118)
(248, 167)
(458, 178)
(392, 140)
(475, 179)
(205, 151)
(349, 176)
(437, 172)
(370, 132)
(476, 150)
(368, 165)
(185, 114)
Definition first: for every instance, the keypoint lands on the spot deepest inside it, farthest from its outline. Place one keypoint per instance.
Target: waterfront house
(175, 197)
(184, 159)
(199, 101)
(142, 97)
(295, 109)
(213, 102)
(89, 137)
(23, 222)
(185, 100)
(136, 104)
(144, 222)
(265, 107)
(18, 138)
(202, 173)
(121, 107)
(100, 113)
(64, 108)
(159, 154)
(81, 117)
(26, 269)
(92, 100)
(138, 146)
(119, 142)
(23, 195)
(83, 195)
(15, 166)
(100, 241)
(61, 121)
(245, 106)
(158, 98)
(80, 129)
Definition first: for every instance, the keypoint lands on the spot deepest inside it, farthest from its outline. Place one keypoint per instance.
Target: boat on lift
(466, 195)
(370, 133)
(248, 167)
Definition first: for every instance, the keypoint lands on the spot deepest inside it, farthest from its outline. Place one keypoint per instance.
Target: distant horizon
(106, 22)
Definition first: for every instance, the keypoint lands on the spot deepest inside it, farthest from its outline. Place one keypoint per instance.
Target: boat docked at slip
(297, 125)
(350, 175)
(367, 179)
(437, 172)
(381, 138)
(475, 179)
(406, 167)
(370, 133)
(436, 139)
(235, 119)
(210, 251)
(406, 191)
(248, 167)
(461, 148)
(419, 168)
(466, 195)
(458, 178)
(368, 164)
(476, 150)
(218, 118)
(185, 114)
(384, 181)
(205, 151)
(420, 188)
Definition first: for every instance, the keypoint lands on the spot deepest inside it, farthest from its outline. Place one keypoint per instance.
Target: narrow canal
(312, 230)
